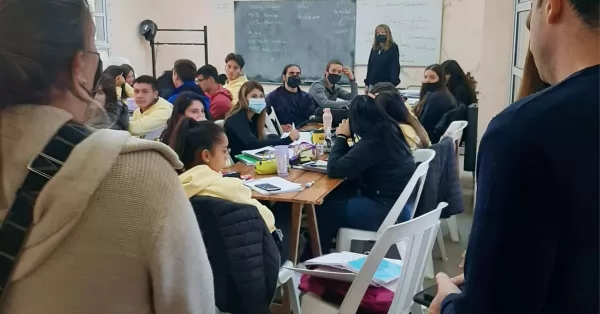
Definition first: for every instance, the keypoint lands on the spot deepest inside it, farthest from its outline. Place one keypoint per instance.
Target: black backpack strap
(19, 219)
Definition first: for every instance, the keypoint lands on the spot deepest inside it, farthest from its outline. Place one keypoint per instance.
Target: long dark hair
(371, 123)
(242, 105)
(128, 69)
(531, 82)
(193, 136)
(183, 101)
(114, 71)
(107, 85)
(393, 105)
(458, 78)
(441, 83)
(35, 62)
(165, 84)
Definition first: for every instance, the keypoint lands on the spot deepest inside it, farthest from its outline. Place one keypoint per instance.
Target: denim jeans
(344, 210)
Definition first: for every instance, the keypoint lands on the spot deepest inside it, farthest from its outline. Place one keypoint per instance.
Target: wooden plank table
(307, 199)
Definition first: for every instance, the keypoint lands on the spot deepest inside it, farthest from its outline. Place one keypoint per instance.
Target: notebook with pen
(316, 166)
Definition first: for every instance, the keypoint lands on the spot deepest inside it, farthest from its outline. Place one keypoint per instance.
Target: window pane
(97, 6)
(100, 31)
(522, 34)
(516, 87)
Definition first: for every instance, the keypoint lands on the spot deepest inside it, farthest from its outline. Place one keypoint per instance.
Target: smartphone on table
(268, 187)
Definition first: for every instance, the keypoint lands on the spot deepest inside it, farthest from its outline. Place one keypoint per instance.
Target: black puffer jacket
(242, 253)
(118, 117)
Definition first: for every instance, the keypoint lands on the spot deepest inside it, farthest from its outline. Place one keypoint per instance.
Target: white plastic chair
(455, 130)
(285, 278)
(346, 235)
(220, 122)
(277, 130)
(154, 135)
(419, 235)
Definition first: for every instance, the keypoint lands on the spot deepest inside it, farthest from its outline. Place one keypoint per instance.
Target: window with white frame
(520, 45)
(98, 8)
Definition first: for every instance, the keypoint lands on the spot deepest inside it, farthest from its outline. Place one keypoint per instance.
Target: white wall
(476, 33)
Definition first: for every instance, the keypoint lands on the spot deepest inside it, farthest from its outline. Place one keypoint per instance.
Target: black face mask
(334, 78)
(294, 81)
(381, 38)
(431, 87)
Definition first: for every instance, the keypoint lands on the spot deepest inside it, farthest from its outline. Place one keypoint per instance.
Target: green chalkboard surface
(271, 34)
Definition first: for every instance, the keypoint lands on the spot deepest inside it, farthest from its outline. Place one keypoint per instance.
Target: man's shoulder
(316, 85)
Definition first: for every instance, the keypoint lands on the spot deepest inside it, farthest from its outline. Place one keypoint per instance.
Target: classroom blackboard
(272, 34)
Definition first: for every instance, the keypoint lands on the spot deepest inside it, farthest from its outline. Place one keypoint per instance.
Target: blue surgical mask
(257, 105)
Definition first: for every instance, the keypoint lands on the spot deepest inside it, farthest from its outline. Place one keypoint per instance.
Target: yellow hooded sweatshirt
(234, 87)
(201, 180)
(128, 90)
(152, 119)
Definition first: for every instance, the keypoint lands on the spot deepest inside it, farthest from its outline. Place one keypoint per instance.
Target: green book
(246, 159)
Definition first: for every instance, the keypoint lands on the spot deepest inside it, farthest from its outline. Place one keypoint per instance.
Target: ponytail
(190, 136)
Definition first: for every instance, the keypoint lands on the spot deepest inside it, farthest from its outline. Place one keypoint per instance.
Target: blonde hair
(388, 42)
(242, 105)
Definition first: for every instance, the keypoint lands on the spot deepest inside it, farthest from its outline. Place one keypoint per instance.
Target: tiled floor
(464, 221)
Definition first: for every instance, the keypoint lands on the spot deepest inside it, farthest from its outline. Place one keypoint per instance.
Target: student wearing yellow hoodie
(234, 64)
(202, 147)
(153, 112)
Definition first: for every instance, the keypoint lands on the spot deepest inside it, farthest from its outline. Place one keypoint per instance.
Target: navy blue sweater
(437, 104)
(291, 107)
(534, 242)
(384, 66)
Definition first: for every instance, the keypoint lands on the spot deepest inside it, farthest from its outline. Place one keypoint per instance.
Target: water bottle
(327, 120)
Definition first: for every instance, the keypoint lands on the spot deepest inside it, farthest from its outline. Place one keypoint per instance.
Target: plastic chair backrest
(419, 234)
(423, 156)
(154, 135)
(220, 122)
(455, 130)
(274, 128)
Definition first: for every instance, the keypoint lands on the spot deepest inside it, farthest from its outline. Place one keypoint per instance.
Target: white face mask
(257, 105)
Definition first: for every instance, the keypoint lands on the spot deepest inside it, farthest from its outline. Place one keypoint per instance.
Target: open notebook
(344, 266)
(283, 185)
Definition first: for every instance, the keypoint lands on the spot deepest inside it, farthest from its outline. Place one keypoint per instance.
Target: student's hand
(458, 280)
(445, 287)
(294, 135)
(286, 127)
(343, 128)
(348, 72)
(371, 95)
(120, 80)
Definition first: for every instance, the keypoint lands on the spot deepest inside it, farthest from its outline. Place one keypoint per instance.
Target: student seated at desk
(326, 91)
(393, 104)
(435, 99)
(184, 80)
(291, 104)
(117, 113)
(234, 64)
(381, 160)
(459, 84)
(153, 111)
(187, 105)
(245, 123)
(220, 99)
(123, 90)
(202, 147)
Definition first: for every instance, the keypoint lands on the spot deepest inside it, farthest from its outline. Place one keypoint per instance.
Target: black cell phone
(426, 296)
(268, 187)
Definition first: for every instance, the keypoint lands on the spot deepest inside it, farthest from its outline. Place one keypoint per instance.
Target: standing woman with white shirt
(384, 60)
